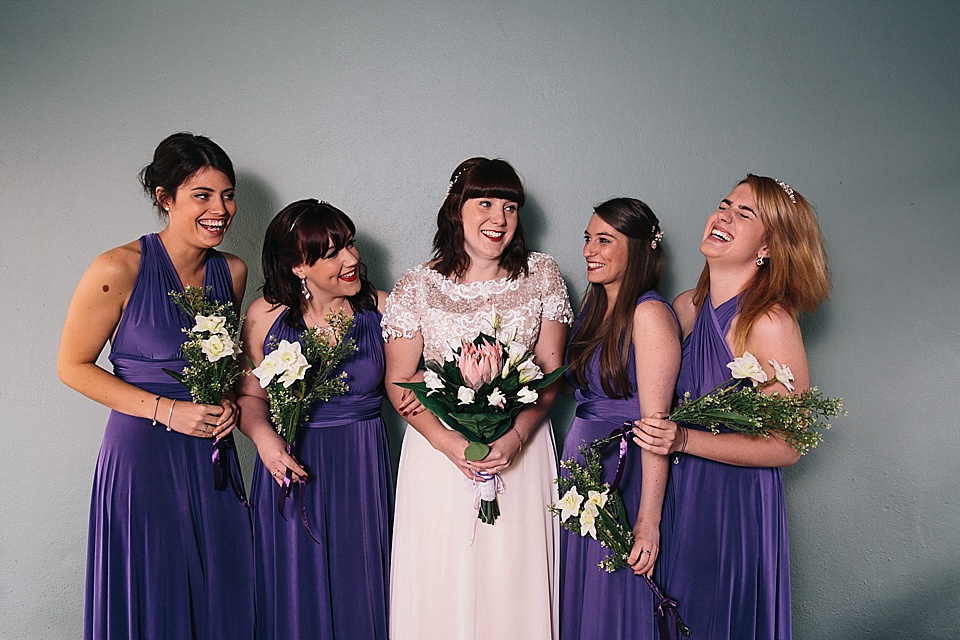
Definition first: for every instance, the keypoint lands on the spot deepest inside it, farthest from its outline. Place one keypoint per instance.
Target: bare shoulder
(260, 310)
(776, 325)
(238, 268)
(653, 313)
(115, 270)
(686, 310)
(381, 300)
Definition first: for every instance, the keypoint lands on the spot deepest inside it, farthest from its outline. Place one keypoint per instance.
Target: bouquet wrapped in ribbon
(478, 391)
(211, 351)
(797, 418)
(591, 507)
(298, 374)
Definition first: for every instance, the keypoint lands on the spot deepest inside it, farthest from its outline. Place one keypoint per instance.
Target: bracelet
(683, 443)
(155, 407)
(518, 438)
(170, 415)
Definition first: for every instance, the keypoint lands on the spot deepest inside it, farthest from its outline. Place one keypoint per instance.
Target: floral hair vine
(657, 237)
(456, 177)
(788, 190)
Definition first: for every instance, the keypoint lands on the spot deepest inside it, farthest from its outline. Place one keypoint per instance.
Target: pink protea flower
(479, 365)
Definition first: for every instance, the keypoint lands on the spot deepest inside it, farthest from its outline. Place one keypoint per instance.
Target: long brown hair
(478, 178)
(635, 220)
(796, 276)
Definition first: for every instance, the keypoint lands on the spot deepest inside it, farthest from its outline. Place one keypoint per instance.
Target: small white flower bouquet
(796, 417)
(298, 374)
(592, 508)
(478, 391)
(211, 348)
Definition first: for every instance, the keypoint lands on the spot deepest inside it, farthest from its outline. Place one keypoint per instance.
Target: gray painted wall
(371, 104)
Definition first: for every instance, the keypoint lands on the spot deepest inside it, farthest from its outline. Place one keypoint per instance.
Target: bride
(452, 576)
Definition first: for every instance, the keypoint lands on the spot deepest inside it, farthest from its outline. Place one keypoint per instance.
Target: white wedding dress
(503, 585)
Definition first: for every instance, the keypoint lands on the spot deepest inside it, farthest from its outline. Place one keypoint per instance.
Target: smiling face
(606, 251)
(488, 227)
(734, 233)
(334, 275)
(202, 208)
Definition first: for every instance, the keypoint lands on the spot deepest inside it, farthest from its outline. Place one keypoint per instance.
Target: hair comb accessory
(657, 237)
(788, 190)
(454, 181)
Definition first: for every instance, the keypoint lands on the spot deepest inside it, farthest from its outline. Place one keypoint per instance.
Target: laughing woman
(168, 556)
(453, 577)
(624, 355)
(329, 581)
(725, 555)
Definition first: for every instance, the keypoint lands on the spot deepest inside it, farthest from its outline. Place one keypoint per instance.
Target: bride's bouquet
(478, 391)
(798, 418)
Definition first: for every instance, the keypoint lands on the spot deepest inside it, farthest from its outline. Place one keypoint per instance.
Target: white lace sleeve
(556, 302)
(403, 311)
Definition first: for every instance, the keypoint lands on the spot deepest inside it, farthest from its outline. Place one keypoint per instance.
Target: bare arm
(92, 319)
(548, 355)
(403, 359)
(774, 336)
(254, 404)
(656, 346)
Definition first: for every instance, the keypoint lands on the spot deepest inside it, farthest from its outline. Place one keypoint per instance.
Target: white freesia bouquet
(592, 508)
(743, 409)
(298, 374)
(478, 391)
(211, 348)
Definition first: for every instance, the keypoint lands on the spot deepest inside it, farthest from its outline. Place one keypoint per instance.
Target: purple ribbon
(665, 607)
(288, 483)
(621, 433)
(221, 469)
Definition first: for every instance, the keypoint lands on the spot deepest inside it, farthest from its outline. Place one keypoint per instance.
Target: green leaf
(476, 451)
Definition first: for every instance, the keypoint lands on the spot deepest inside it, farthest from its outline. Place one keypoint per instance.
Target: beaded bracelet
(518, 438)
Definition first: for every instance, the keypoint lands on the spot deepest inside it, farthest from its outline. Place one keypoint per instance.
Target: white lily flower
(266, 371)
(496, 398)
(588, 524)
(217, 346)
(529, 371)
(747, 366)
(527, 396)
(211, 324)
(433, 381)
(515, 351)
(465, 395)
(570, 503)
(293, 373)
(597, 498)
(783, 374)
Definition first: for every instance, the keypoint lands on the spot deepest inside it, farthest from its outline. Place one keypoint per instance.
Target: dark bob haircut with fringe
(302, 233)
(477, 178)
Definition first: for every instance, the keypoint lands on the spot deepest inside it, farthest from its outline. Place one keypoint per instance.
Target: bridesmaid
(624, 356)
(725, 555)
(335, 586)
(168, 556)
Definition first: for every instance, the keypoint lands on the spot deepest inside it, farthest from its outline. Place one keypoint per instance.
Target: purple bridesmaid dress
(594, 604)
(167, 555)
(724, 552)
(337, 589)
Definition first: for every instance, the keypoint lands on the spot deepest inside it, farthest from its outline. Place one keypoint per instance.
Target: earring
(304, 290)
(759, 261)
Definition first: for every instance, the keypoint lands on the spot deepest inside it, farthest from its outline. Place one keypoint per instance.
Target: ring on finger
(646, 551)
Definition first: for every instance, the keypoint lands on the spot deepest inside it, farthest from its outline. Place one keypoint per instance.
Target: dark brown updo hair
(302, 233)
(477, 178)
(613, 335)
(177, 158)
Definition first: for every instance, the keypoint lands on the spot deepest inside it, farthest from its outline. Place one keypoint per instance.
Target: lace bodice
(444, 311)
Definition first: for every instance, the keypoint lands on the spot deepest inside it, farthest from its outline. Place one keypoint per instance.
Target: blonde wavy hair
(796, 276)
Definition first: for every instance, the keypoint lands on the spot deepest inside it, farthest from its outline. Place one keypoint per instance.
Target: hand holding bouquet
(478, 391)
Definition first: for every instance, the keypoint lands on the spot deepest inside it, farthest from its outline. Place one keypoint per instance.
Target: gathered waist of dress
(150, 376)
(601, 411)
(343, 410)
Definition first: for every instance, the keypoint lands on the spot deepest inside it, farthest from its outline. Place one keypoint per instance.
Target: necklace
(306, 310)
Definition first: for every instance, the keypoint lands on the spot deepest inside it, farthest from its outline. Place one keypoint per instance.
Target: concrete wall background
(370, 105)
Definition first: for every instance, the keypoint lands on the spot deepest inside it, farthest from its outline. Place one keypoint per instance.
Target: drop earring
(304, 290)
